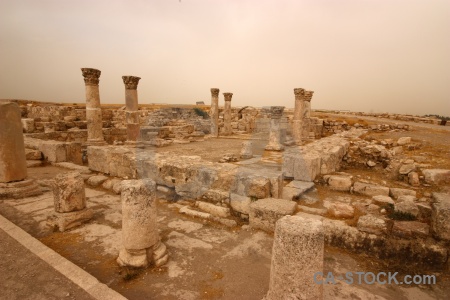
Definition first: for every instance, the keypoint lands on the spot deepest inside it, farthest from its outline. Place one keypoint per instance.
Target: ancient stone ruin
(184, 192)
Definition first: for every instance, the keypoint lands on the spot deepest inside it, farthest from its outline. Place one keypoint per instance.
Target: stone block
(65, 221)
(295, 189)
(28, 125)
(340, 210)
(96, 180)
(53, 151)
(382, 200)
(68, 192)
(340, 182)
(372, 224)
(301, 166)
(406, 204)
(404, 140)
(265, 212)
(218, 211)
(33, 154)
(298, 251)
(410, 229)
(440, 216)
(370, 189)
(99, 158)
(437, 176)
(397, 192)
(240, 203)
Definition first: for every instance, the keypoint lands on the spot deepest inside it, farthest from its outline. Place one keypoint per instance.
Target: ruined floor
(207, 261)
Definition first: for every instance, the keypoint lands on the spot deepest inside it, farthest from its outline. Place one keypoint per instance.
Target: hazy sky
(360, 55)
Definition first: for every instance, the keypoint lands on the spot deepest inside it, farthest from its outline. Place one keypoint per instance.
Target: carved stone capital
(91, 76)
(131, 82)
(227, 96)
(308, 95)
(299, 92)
(215, 92)
(276, 112)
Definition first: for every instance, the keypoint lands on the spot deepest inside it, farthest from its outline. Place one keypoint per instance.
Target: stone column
(93, 109)
(247, 151)
(307, 113)
(132, 109)
(13, 164)
(70, 202)
(227, 114)
(275, 135)
(297, 259)
(214, 112)
(297, 123)
(141, 241)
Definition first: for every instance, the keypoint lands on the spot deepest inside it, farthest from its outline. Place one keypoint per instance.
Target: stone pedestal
(132, 109)
(297, 124)
(93, 109)
(141, 241)
(70, 202)
(297, 256)
(247, 150)
(227, 130)
(275, 133)
(214, 112)
(13, 165)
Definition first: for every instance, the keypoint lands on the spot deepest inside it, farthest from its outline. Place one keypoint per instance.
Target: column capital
(276, 112)
(91, 76)
(299, 92)
(131, 82)
(214, 92)
(228, 96)
(308, 95)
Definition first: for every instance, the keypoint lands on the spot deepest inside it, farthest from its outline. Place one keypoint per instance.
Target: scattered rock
(371, 224)
(404, 140)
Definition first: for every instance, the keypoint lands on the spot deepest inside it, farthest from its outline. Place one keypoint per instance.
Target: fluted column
(275, 135)
(214, 112)
(132, 107)
(93, 109)
(227, 114)
(297, 123)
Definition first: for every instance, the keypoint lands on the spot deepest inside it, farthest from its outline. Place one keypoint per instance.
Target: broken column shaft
(297, 123)
(93, 109)
(275, 134)
(227, 114)
(132, 108)
(214, 112)
(297, 259)
(306, 114)
(141, 241)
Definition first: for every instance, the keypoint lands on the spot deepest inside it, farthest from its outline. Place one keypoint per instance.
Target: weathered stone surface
(28, 125)
(372, 224)
(13, 166)
(407, 168)
(437, 176)
(68, 192)
(227, 130)
(340, 182)
(404, 140)
(117, 187)
(382, 200)
(240, 203)
(214, 112)
(340, 210)
(214, 210)
(68, 220)
(410, 229)
(301, 166)
(413, 179)
(19, 189)
(370, 189)
(295, 189)
(312, 210)
(440, 216)
(406, 204)
(93, 109)
(99, 158)
(53, 151)
(33, 154)
(139, 215)
(265, 212)
(275, 133)
(96, 180)
(297, 255)
(397, 192)
(247, 150)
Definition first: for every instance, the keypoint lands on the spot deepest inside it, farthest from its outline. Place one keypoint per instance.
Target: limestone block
(33, 154)
(139, 217)
(301, 166)
(99, 158)
(406, 204)
(413, 179)
(397, 192)
(437, 176)
(28, 125)
(372, 224)
(382, 200)
(370, 189)
(68, 220)
(247, 150)
(440, 216)
(406, 169)
(219, 211)
(68, 192)
(96, 180)
(298, 251)
(295, 189)
(74, 153)
(340, 210)
(404, 140)
(265, 212)
(13, 166)
(240, 203)
(340, 182)
(216, 196)
(53, 151)
(410, 229)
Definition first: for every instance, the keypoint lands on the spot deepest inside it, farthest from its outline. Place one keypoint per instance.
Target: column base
(68, 220)
(274, 148)
(19, 189)
(141, 258)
